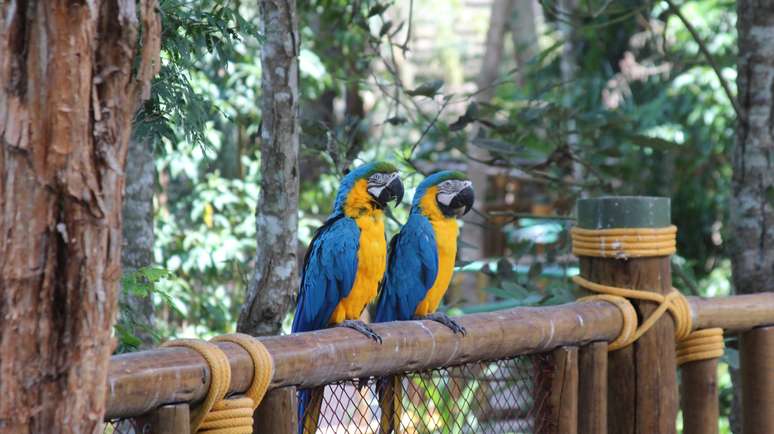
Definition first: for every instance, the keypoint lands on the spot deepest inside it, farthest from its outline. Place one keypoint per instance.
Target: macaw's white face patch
(450, 188)
(379, 181)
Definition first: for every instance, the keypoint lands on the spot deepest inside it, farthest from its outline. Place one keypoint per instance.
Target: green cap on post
(623, 212)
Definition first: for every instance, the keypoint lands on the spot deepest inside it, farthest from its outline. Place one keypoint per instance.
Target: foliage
(142, 283)
(643, 114)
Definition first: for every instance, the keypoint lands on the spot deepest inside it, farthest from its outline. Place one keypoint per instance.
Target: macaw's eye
(385, 187)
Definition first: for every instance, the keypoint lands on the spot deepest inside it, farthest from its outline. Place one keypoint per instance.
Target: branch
(708, 55)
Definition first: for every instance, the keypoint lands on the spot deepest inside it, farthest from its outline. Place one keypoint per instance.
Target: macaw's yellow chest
(446, 231)
(371, 263)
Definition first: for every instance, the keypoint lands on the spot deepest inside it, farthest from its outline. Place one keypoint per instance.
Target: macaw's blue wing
(411, 271)
(328, 274)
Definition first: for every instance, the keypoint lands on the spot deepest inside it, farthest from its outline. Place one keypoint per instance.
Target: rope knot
(217, 414)
(624, 243)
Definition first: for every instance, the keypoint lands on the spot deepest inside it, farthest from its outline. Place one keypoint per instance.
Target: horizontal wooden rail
(139, 382)
(737, 313)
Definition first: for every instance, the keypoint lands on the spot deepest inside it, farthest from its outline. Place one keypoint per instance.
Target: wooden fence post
(756, 358)
(642, 379)
(277, 412)
(563, 400)
(700, 400)
(167, 419)
(592, 389)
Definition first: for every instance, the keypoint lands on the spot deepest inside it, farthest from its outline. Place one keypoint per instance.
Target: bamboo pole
(699, 397)
(756, 358)
(563, 401)
(141, 381)
(642, 383)
(592, 389)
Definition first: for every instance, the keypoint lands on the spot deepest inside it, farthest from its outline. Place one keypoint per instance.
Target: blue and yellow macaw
(345, 264)
(422, 255)
(420, 268)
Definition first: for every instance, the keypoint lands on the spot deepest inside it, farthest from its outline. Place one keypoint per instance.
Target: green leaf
(428, 89)
(770, 195)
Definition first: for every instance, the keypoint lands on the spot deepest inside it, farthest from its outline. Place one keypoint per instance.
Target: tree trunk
(752, 201)
(71, 79)
(526, 19)
(752, 198)
(474, 230)
(137, 215)
(271, 289)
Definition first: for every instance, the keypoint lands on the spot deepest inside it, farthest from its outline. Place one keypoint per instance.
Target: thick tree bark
(271, 289)
(752, 198)
(137, 216)
(70, 84)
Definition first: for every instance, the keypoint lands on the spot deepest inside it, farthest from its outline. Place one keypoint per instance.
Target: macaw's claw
(448, 322)
(361, 327)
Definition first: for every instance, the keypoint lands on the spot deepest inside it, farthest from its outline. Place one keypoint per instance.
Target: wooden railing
(139, 383)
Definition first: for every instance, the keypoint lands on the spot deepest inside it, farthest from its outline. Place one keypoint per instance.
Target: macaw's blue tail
(309, 404)
(390, 391)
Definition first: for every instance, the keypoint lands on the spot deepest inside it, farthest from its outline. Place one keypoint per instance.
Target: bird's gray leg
(361, 327)
(445, 320)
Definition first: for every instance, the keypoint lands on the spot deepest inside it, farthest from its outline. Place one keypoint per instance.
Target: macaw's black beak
(393, 191)
(463, 201)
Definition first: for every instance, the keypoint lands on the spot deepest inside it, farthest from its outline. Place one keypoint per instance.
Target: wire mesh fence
(503, 396)
(489, 397)
(124, 426)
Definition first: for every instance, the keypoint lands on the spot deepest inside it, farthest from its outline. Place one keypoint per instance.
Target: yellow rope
(216, 414)
(622, 243)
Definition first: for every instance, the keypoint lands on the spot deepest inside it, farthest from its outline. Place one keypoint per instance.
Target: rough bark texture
(752, 201)
(70, 84)
(270, 292)
(137, 251)
(752, 198)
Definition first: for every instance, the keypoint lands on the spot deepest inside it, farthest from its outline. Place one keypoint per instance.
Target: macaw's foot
(445, 320)
(362, 328)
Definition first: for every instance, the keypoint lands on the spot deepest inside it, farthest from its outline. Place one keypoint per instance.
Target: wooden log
(735, 313)
(755, 357)
(699, 397)
(277, 413)
(592, 389)
(139, 382)
(563, 401)
(642, 381)
(167, 419)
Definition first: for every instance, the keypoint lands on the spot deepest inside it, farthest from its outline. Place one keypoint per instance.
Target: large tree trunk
(752, 200)
(271, 289)
(137, 216)
(752, 197)
(70, 84)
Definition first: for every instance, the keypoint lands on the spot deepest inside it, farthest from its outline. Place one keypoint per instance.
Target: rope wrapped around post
(218, 414)
(623, 243)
